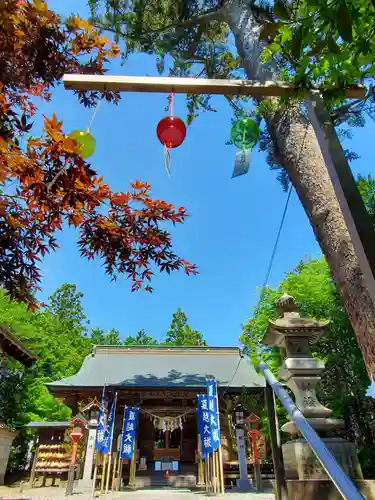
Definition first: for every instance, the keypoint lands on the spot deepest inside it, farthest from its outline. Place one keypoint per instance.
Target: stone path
(159, 494)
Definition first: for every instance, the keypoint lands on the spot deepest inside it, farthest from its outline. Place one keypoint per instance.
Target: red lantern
(171, 131)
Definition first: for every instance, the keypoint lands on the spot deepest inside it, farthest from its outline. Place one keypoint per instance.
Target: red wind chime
(171, 132)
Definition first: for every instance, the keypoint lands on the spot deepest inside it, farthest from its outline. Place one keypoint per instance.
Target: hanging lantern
(245, 133)
(86, 142)
(171, 131)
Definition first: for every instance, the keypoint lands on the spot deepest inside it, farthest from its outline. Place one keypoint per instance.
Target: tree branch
(201, 20)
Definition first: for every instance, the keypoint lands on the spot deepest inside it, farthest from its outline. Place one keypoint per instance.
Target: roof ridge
(159, 348)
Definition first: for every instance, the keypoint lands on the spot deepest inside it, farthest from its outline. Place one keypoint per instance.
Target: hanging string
(94, 116)
(171, 106)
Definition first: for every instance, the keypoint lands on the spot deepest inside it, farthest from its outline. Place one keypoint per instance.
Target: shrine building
(163, 382)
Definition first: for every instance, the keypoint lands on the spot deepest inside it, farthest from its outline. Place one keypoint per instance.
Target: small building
(12, 346)
(163, 382)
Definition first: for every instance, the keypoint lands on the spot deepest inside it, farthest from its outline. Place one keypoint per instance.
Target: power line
(277, 240)
(235, 371)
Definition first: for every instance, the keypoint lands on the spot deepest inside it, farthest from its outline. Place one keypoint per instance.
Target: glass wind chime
(244, 134)
(85, 141)
(171, 132)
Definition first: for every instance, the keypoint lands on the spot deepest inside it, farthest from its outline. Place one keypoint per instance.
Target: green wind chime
(244, 134)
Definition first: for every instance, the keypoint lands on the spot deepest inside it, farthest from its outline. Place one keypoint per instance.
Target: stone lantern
(294, 335)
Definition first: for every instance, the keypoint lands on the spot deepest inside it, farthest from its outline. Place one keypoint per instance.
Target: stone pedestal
(6, 439)
(320, 489)
(89, 458)
(301, 463)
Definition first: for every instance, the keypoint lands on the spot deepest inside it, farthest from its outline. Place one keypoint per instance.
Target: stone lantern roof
(291, 324)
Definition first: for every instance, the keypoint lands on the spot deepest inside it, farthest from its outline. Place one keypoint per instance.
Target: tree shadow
(173, 379)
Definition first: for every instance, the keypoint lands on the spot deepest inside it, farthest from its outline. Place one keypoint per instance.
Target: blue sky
(233, 223)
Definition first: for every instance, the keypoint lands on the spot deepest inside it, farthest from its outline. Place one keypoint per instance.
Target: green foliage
(345, 381)
(12, 387)
(180, 333)
(66, 305)
(140, 339)
(366, 186)
(330, 43)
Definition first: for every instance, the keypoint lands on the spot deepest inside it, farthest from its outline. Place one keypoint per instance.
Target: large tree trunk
(300, 154)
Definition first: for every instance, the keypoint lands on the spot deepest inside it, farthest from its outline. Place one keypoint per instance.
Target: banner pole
(214, 472)
(94, 476)
(114, 471)
(200, 462)
(104, 463)
(208, 472)
(119, 475)
(221, 470)
(108, 472)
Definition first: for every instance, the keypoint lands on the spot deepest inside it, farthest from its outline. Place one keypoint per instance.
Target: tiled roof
(161, 366)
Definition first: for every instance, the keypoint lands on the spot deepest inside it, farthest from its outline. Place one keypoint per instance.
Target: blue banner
(213, 409)
(129, 431)
(101, 425)
(108, 433)
(204, 428)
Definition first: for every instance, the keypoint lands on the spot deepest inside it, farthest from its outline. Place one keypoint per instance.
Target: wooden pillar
(166, 439)
(277, 456)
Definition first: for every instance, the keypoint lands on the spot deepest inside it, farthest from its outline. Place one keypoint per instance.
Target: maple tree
(44, 182)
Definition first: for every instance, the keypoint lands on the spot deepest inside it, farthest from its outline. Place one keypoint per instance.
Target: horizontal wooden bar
(187, 85)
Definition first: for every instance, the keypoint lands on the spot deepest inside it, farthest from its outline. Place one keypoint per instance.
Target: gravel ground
(49, 493)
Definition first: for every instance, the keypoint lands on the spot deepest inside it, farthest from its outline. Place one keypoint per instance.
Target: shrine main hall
(163, 382)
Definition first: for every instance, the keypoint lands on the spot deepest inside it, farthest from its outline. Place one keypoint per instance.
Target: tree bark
(300, 154)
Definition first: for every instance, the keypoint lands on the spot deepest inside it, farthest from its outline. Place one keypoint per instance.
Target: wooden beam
(187, 85)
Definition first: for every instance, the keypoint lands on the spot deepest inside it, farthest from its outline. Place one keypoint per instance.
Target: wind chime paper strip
(242, 163)
(167, 160)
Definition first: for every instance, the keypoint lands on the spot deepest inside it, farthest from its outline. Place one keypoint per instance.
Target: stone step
(159, 481)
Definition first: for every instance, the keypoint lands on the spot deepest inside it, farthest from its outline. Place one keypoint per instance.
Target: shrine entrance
(167, 432)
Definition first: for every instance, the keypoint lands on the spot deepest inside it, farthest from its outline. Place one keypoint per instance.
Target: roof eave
(15, 348)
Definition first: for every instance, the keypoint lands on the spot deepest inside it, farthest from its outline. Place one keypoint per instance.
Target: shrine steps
(185, 478)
